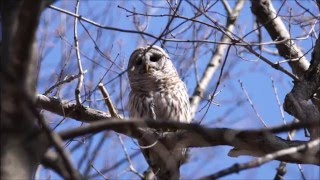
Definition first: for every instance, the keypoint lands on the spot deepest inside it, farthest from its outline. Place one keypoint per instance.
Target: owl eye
(139, 62)
(155, 58)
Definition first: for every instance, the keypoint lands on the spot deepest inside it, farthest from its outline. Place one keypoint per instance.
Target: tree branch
(254, 142)
(308, 88)
(71, 110)
(77, 91)
(267, 16)
(216, 58)
(21, 144)
(310, 147)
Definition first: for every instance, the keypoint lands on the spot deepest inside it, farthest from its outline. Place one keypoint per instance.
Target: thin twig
(66, 80)
(251, 103)
(131, 168)
(218, 82)
(85, 152)
(281, 170)
(58, 144)
(236, 39)
(104, 177)
(99, 25)
(278, 101)
(95, 154)
(108, 101)
(114, 114)
(116, 165)
(238, 42)
(76, 45)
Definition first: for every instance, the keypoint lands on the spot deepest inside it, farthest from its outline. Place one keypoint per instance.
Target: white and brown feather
(158, 93)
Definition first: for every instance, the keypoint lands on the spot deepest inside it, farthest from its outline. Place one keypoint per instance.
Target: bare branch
(251, 104)
(108, 101)
(116, 165)
(52, 160)
(71, 110)
(267, 16)
(296, 102)
(131, 168)
(99, 25)
(254, 142)
(187, 29)
(65, 80)
(58, 144)
(102, 175)
(196, 135)
(215, 59)
(311, 147)
(227, 7)
(76, 46)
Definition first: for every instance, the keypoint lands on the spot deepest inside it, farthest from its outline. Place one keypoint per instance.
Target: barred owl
(158, 93)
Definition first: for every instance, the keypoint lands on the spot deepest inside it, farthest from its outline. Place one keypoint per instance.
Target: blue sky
(255, 75)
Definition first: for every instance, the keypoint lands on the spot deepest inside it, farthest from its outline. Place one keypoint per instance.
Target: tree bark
(268, 18)
(22, 144)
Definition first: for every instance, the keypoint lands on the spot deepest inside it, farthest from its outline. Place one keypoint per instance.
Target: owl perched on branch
(158, 93)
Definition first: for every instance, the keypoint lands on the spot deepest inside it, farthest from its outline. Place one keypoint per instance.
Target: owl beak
(146, 68)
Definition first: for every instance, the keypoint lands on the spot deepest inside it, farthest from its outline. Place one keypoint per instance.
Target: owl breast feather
(170, 103)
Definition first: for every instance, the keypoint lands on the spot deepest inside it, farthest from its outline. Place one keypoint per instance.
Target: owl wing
(162, 106)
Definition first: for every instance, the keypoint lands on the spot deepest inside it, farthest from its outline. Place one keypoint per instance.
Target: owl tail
(165, 164)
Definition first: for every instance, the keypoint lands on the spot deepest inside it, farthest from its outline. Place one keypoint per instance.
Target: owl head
(150, 66)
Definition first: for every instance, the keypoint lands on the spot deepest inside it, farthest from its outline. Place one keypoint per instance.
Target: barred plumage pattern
(158, 93)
